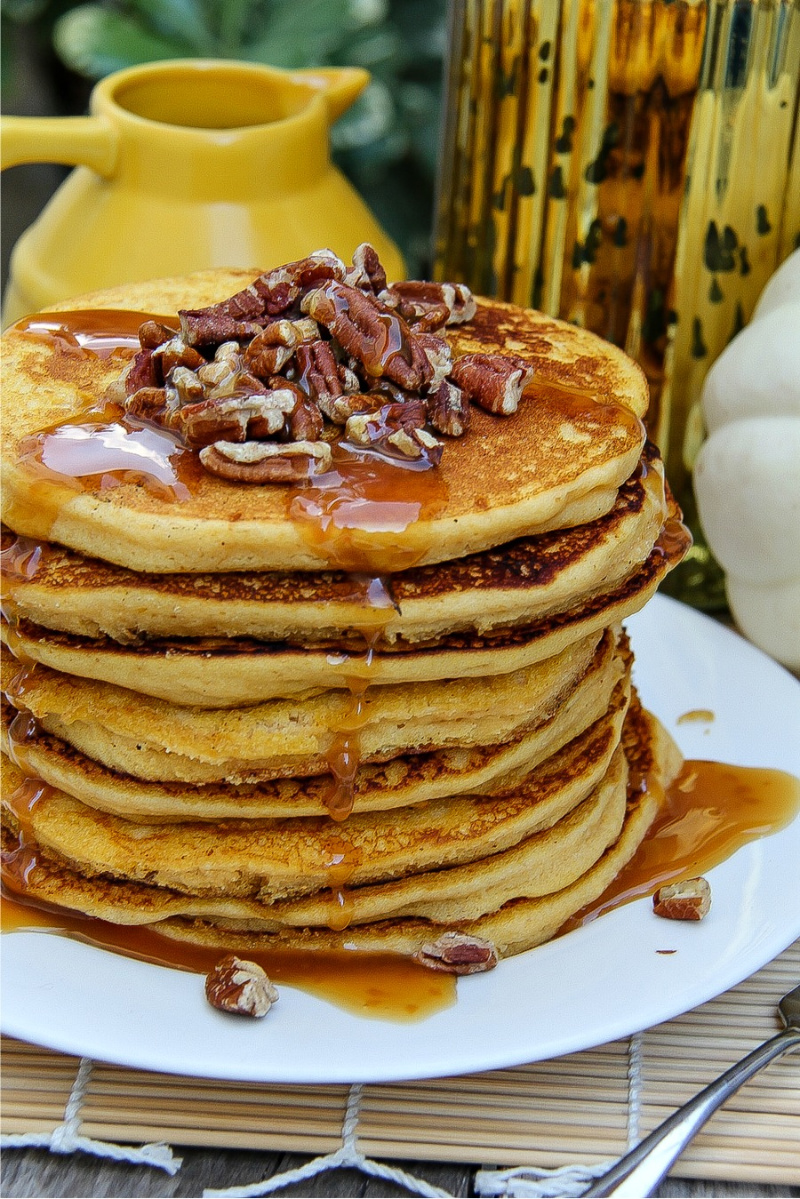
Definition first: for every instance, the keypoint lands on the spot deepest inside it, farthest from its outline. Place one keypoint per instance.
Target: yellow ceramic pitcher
(184, 165)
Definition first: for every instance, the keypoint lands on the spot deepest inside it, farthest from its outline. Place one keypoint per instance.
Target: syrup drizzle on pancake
(98, 331)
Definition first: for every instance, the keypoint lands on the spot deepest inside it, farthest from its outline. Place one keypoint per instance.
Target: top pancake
(556, 463)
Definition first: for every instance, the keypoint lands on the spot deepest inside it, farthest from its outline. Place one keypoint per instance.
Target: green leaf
(300, 35)
(94, 42)
(180, 21)
(22, 11)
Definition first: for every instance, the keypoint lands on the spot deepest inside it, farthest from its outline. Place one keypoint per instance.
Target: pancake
(518, 924)
(268, 860)
(347, 709)
(237, 671)
(151, 739)
(406, 779)
(522, 582)
(557, 463)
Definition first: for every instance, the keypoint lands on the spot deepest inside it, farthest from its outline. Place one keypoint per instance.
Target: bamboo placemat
(573, 1109)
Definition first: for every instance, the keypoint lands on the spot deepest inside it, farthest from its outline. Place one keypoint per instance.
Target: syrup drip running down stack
(383, 707)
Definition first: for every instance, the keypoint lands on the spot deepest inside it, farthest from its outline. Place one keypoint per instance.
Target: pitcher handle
(73, 141)
(340, 86)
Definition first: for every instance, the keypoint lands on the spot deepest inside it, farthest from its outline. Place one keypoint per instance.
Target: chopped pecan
(343, 407)
(243, 987)
(493, 381)
(266, 461)
(211, 326)
(206, 422)
(270, 412)
(280, 288)
(395, 428)
(367, 273)
(186, 384)
(686, 900)
(153, 334)
(317, 372)
(227, 362)
(148, 403)
(348, 378)
(270, 350)
(243, 315)
(377, 337)
(142, 372)
(305, 421)
(175, 352)
(448, 410)
(439, 354)
(458, 953)
(429, 306)
(235, 418)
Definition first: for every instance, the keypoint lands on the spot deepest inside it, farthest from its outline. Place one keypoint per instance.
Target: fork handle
(639, 1172)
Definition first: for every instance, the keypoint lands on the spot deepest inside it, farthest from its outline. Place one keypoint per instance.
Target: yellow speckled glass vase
(184, 165)
(633, 166)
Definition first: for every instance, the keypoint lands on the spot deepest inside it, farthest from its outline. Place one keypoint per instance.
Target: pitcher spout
(340, 86)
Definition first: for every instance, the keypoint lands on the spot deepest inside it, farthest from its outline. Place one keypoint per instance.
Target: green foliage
(387, 143)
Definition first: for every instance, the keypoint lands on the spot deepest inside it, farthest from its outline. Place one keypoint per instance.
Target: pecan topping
(428, 305)
(266, 461)
(448, 410)
(153, 334)
(437, 351)
(318, 373)
(270, 350)
(687, 900)
(186, 384)
(380, 340)
(142, 372)
(148, 403)
(258, 382)
(367, 273)
(493, 381)
(395, 428)
(458, 953)
(235, 985)
(175, 352)
(270, 295)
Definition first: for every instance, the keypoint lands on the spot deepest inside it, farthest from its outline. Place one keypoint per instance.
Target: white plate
(601, 982)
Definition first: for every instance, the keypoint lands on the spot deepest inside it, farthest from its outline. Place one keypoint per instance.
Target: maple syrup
(101, 332)
(357, 511)
(710, 810)
(382, 985)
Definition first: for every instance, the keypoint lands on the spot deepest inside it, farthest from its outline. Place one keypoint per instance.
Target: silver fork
(640, 1171)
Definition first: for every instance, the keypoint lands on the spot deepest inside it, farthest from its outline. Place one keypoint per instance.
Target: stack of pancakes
(360, 711)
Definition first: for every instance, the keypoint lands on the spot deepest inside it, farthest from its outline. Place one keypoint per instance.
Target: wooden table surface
(35, 1172)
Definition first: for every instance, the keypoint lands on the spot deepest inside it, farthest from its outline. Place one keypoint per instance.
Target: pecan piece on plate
(280, 288)
(266, 461)
(243, 987)
(148, 403)
(492, 381)
(686, 900)
(458, 953)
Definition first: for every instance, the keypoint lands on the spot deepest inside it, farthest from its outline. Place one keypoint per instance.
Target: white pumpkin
(747, 474)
